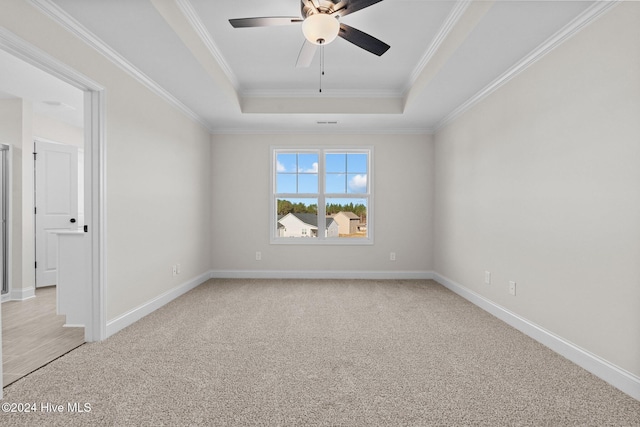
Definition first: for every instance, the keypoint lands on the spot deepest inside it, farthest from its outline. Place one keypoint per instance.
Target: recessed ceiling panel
(176, 52)
(263, 59)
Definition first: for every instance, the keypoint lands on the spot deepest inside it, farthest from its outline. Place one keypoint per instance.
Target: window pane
(348, 216)
(286, 163)
(308, 183)
(296, 173)
(357, 163)
(286, 183)
(307, 163)
(354, 180)
(336, 163)
(297, 218)
(335, 183)
(357, 183)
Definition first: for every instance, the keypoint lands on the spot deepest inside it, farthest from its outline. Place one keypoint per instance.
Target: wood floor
(33, 335)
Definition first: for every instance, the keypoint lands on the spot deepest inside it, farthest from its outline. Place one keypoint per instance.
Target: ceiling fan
(321, 25)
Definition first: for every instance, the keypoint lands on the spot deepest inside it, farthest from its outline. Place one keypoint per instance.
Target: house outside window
(321, 196)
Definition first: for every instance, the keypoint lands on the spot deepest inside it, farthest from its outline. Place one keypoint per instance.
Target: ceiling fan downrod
(321, 43)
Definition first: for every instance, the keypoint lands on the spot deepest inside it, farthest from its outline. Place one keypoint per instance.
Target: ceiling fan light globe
(320, 28)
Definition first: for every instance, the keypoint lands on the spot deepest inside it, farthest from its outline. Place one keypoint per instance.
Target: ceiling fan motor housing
(324, 6)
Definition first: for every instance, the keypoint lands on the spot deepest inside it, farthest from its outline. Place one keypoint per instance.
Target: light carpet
(319, 352)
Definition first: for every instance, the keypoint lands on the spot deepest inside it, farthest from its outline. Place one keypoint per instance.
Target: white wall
(540, 184)
(403, 176)
(157, 174)
(16, 130)
(11, 134)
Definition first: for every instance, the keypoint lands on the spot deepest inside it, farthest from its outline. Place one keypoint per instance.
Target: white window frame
(321, 197)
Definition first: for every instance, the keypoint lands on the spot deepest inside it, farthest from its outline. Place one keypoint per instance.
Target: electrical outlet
(512, 287)
(175, 270)
(392, 256)
(487, 277)
(178, 269)
(258, 256)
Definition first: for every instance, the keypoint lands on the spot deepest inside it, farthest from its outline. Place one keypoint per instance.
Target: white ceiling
(443, 56)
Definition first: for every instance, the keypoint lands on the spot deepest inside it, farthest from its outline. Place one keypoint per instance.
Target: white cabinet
(72, 285)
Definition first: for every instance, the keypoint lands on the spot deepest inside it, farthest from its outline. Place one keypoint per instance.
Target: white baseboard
(617, 377)
(22, 294)
(139, 312)
(319, 274)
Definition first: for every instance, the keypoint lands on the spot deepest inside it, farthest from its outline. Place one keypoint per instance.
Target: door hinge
(36, 264)
(35, 155)
(86, 228)
(35, 210)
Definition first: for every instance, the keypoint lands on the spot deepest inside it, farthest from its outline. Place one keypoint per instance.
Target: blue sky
(346, 173)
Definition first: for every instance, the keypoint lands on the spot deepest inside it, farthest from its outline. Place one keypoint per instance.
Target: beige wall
(540, 184)
(57, 131)
(157, 173)
(403, 171)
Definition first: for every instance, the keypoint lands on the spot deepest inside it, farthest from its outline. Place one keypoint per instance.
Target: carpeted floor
(315, 352)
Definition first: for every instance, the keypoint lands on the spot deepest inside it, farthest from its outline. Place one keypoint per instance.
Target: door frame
(95, 171)
(5, 212)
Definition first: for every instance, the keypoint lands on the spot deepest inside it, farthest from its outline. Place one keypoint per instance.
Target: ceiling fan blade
(346, 7)
(363, 40)
(306, 55)
(268, 21)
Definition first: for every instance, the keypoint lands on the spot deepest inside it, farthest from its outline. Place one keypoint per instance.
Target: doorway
(13, 48)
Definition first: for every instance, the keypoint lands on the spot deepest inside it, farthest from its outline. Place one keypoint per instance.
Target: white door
(56, 203)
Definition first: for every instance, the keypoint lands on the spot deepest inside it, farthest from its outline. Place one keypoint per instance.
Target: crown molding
(568, 31)
(201, 30)
(336, 131)
(452, 19)
(315, 94)
(61, 17)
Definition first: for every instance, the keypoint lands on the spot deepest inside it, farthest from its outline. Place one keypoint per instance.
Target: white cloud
(280, 167)
(358, 183)
(313, 169)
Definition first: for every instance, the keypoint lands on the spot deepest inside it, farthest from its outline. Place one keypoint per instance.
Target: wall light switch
(392, 256)
(258, 256)
(512, 287)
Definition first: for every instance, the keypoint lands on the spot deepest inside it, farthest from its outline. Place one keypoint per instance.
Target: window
(321, 196)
